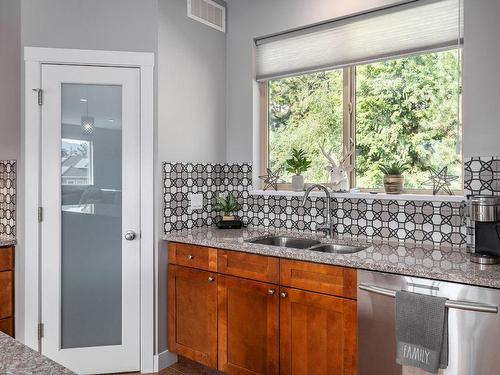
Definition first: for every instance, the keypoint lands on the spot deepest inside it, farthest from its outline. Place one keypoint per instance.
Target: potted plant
(393, 176)
(296, 165)
(228, 206)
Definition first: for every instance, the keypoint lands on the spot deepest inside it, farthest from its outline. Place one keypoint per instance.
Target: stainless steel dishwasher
(473, 322)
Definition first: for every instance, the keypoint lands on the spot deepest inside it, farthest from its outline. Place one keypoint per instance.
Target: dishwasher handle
(461, 305)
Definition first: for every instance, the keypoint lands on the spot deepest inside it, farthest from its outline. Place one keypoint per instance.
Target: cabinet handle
(190, 256)
(284, 294)
(271, 292)
(211, 279)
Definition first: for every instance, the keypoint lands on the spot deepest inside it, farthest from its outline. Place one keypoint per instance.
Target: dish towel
(421, 331)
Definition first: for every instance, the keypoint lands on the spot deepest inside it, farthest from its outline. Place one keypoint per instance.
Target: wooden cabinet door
(7, 326)
(6, 294)
(317, 334)
(248, 327)
(192, 315)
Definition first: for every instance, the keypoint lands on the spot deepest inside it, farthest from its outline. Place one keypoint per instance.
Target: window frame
(348, 129)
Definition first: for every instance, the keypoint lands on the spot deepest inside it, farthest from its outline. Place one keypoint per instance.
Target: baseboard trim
(166, 359)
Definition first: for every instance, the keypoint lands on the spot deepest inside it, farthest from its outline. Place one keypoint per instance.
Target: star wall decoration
(440, 180)
(272, 179)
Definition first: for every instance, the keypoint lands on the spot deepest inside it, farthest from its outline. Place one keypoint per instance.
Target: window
(399, 109)
(77, 162)
(384, 84)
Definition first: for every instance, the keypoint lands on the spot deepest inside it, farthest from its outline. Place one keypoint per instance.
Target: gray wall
(122, 25)
(191, 105)
(482, 78)
(191, 87)
(10, 75)
(249, 19)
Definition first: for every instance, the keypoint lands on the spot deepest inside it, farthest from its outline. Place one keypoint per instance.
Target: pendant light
(88, 122)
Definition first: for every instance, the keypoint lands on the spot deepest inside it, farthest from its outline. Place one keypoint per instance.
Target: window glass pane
(408, 109)
(305, 111)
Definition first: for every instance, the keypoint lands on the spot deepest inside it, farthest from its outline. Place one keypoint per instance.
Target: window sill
(383, 196)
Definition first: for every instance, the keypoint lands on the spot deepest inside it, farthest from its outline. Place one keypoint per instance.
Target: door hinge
(40, 331)
(349, 108)
(40, 214)
(39, 94)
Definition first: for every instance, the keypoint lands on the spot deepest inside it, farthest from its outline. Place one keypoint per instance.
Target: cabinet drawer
(249, 266)
(321, 278)
(6, 294)
(7, 326)
(194, 256)
(6, 258)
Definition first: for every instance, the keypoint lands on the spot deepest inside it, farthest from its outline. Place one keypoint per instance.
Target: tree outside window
(405, 109)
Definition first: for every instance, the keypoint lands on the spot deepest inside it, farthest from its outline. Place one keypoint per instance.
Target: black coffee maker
(485, 228)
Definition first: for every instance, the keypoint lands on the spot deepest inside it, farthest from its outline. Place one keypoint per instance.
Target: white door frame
(29, 241)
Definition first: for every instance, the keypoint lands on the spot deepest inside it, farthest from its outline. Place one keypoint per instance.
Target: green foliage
(298, 163)
(393, 168)
(228, 205)
(304, 111)
(406, 109)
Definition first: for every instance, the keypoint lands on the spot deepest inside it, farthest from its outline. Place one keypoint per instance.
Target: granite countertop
(18, 359)
(7, 241)
(440, 263)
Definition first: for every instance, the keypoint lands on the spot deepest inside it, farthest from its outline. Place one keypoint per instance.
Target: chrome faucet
(328, 228)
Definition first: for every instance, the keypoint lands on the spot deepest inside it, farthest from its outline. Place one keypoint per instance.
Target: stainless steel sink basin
(337, 248)
(284, 241)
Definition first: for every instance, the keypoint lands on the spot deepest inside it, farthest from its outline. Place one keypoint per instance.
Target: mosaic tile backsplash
(7, 198)
(182, 179)
(438, 223)
(481, 176)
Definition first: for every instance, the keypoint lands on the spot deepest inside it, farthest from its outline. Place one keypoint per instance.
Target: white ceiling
(104, 104)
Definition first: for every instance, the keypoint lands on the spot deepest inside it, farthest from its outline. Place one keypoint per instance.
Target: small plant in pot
(393, 176)
(228, 206)
(296, 165)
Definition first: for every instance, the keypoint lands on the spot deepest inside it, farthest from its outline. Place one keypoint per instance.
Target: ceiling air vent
(208, 12)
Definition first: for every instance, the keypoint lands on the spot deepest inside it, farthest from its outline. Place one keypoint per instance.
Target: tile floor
(185, 367)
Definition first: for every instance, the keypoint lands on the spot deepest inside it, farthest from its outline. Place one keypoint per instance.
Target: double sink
(306, 243)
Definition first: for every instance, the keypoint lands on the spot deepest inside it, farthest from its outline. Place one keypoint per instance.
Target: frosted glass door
(90, 194)
(91, 215)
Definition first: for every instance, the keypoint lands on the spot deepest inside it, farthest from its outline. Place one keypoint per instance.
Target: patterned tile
(211, 180)
(8, 197)
(482, 175)
(437, 223)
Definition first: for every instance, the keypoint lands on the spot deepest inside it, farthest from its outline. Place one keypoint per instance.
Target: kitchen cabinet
(317, 334)
(247, 314)
(192, 317)
(248, 326)
(7, 290)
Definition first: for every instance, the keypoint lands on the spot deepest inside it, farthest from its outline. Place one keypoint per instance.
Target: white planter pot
(298, 183)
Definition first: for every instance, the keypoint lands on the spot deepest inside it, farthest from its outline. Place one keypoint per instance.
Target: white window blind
(419, 26)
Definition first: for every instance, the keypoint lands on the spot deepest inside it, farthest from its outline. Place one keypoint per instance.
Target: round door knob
(130, 235)
(284, 294)
(271, 292)
(211, 279)
(190, 257)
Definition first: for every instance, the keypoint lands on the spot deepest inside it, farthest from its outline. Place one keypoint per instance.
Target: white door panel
(90, 285)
